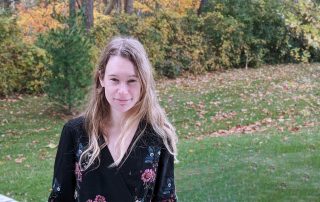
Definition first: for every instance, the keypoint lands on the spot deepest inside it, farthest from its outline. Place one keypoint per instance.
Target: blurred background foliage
(181, 37)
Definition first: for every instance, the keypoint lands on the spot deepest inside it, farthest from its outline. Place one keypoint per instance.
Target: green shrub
(302, 19)
(71, 65)
(186, 46)
(172, 49)
(224, 38)
(228, 34)
(22, 68)
(244, 33)
(261, 31)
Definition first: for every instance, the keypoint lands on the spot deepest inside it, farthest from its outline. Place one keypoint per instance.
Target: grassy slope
(277, 160)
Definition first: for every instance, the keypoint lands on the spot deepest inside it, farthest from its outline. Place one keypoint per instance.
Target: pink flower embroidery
(77, 172)
(148, 176)
(99, 198)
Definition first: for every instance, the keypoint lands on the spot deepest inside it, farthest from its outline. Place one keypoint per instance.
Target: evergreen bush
(70, 65)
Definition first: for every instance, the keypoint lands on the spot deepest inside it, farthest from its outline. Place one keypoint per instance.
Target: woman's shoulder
(151, 137)
(76, 124)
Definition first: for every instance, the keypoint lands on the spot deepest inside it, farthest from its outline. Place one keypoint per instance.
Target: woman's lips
(122, 101)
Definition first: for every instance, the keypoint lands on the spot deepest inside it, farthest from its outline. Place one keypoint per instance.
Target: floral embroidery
(172, 199)
(56, 186)
(78, 155)
(153, 155)
(79, 151)
(77, 172)
(55, 190)
(169, 186)
(98, 198)
(148, 176)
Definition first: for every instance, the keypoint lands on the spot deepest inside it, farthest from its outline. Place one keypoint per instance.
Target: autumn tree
(117, 5)
(86, 9)
(88, 13)
(5, 4)
(203, 4)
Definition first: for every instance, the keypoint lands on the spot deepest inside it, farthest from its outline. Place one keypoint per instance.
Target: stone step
(6, 199)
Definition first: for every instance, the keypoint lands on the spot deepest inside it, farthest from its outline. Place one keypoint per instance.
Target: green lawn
(245, 135)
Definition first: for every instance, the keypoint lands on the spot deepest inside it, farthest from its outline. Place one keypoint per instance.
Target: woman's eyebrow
(133, 75)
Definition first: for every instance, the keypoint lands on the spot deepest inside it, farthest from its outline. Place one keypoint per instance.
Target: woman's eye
(114, 80)
(132, 81)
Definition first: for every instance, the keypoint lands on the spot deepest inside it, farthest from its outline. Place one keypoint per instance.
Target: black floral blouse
(146, 175)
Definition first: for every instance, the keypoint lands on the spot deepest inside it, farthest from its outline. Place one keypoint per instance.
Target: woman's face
(121, 83)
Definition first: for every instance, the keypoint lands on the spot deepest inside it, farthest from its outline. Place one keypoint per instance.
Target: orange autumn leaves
(38, 19)
(276, 99)
(179, 6)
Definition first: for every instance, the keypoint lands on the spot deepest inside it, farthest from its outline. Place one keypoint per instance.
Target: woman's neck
(116, 121)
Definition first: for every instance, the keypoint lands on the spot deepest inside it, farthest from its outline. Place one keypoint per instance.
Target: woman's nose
(123, 89)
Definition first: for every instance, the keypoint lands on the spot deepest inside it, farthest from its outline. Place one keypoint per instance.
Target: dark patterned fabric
(147, 174)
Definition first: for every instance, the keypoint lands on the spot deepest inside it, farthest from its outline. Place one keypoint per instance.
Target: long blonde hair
(148, 108)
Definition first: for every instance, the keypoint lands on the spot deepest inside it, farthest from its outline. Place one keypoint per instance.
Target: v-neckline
(139, 128)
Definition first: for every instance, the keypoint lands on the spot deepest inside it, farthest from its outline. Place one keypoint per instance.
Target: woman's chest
(136, 176)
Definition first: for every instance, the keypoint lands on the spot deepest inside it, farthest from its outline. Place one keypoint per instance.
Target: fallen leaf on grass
(51, 146)
(257, 126)
(309, 124)
(4, 121)
(295, 129)
(281, 129)
(40, 129)
(190, 104)
(11, 100)
(222, 115)
(20, 159)
(28, 165)
(198, 123)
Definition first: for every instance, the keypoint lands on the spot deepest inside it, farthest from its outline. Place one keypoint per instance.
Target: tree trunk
(7, 4)
(247, 61)
(118, 5)
(128, 6)
(72, 12)
(109, 6)
(88, 14)
(203, 4)
(157, 6)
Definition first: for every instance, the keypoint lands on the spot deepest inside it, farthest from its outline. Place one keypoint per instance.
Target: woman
(123, 147)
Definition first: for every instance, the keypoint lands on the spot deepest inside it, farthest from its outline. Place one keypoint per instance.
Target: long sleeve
(64, 182)
(165, 186)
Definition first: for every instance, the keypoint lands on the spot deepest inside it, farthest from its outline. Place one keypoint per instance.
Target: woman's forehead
(118, 65)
